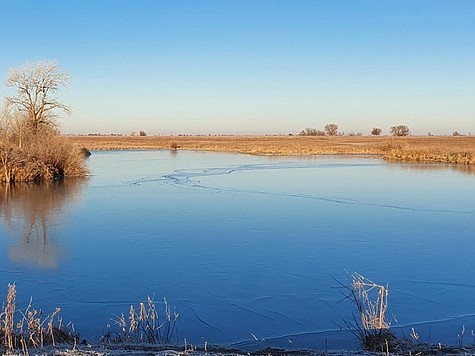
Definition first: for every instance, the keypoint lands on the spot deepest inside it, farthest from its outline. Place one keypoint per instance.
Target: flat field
(448, 149)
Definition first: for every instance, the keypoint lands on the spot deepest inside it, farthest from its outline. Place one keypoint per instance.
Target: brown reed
(144, 325)
(371, 325)
(32, 329)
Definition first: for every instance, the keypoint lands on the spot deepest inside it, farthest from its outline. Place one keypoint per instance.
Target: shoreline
(441, 149)
(163, 350)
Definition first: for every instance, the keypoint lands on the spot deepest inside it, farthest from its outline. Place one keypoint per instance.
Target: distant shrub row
(332, 130)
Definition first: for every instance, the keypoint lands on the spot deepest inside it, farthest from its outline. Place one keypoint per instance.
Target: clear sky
(252, 66)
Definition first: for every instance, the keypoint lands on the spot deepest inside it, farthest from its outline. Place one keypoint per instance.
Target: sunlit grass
(144, 324)
(30, 328)
(446, 149)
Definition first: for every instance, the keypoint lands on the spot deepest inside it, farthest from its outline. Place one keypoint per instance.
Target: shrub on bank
(37, 157)
(31, 148)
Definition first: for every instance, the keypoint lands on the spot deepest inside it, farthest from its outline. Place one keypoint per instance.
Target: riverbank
(121, 350)
(446, 149)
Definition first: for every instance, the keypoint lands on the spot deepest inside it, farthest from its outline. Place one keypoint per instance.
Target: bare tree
(331, 129)
(31, 148)
(36, 84)
(400, 130)
(376, 131)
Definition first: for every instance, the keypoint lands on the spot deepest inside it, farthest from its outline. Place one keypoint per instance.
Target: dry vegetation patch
(413, 148)
(41, 156)
(144, 324)
(31, 148)
(30, 328)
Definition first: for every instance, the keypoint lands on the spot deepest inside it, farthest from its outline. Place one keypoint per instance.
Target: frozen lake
(246, 247)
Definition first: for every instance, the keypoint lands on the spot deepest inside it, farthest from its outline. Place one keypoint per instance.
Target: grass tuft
(33, 329)
(371, 325)
(144, 324)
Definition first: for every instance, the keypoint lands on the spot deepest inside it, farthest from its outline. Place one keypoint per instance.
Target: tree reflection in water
(31, 212)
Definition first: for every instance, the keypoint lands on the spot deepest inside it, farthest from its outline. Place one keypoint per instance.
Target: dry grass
(372, 302)
(371, 327)
(33, 329)
(144, 325)
(40, 157)
(447, 149)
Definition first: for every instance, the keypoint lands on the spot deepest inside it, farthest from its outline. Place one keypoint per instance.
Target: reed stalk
(144, 325)
(32, 329)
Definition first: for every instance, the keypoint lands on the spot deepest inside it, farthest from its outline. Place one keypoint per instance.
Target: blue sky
(252, 66)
